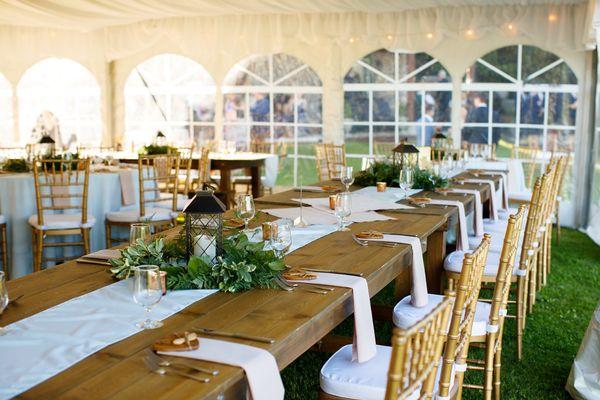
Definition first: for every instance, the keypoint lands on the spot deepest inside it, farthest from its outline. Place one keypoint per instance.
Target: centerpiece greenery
(155, 149)
(16, 165)
(389, 172)
(243, 266)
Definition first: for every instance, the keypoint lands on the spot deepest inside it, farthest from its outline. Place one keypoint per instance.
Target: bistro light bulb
(390, 37)
(430, 35)
(510, 27)
(470, 32)
(552, 17)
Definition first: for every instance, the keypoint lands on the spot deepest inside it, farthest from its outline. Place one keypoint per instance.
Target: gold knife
(235, 335)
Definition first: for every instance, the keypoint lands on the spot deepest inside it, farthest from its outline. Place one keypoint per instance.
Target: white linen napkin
(126, 177)
(478, 220)
(419, 297)
(364, 346)
(392, 194)
(462, 242)
(493, 205)
(503, 190)
(360, 203)
(264, 380)
(319, 216)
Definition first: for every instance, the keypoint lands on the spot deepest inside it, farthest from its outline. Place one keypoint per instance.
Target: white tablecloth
(17, 204)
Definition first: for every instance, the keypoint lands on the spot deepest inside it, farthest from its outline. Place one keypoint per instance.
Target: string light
(552, 17)
(510, 27)
(352, 40)
(430, 35)
(470, 32)
(390, 37)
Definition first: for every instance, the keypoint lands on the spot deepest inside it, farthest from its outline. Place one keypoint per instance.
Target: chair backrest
(203, 168)
(336, 159)
(158, 175)
(266, 147)
(61, 185)
(322, 167)
(383, 149)
(185, 169)
(463, 314)
(504, 275)
(416, 354)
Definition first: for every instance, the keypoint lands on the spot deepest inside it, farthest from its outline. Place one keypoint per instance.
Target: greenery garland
(154, 149)
(388, 172)
(16, 165)
(243, 266)
(427, 180)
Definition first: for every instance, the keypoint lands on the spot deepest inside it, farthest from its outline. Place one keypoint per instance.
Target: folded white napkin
(503, 190)
(126, 177)
(493, 205)
(392, 194)
(264, 380)
(419, 295)
(321, 216)
(478, 220)
(462, 242)
(364, 346)
(360, 203)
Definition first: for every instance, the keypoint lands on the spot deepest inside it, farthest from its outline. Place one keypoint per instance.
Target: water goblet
(343, 209)
(281, 236)
(244, 209)
(147, 292)
(347, 177)
(137, 232)
(406, 180)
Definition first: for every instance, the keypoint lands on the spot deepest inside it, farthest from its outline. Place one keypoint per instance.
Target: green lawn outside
(552, 338)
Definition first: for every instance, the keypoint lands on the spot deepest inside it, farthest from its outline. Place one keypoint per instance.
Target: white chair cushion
(494, 226)
(2, 219)
(342, 377)
(133, 215)
(524, 195)
(61, 221)
(407, 315)
(496, 242)
(503, 214)
(454, 261)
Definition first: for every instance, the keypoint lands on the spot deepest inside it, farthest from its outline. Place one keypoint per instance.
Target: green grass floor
(554, 331)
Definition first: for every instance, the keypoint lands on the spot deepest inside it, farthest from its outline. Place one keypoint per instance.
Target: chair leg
(85, 233)
(521, 304)
(39, 248)
(5, 266)
(549, 255)
(497, 371)
(489, 367)
(557, 223)
(107, 233)
(532, 286)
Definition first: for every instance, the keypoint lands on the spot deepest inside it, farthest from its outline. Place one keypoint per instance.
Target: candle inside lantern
(204, 246)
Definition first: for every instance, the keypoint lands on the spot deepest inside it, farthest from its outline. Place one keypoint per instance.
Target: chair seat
(407, 315)
(182, 200)
(494, 226)
(454, 261)
(61, 221)
(2, 219)
(342, 377)
(524, 195)
(133, 215)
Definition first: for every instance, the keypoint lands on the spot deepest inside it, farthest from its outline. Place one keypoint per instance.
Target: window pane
(236, 133)
(532, 108)
(505, 107)
(383, 106)
(504, 138)
(435, 73)
(562, 141)
(561, 74)
(203, 108)
(356, 106)
(409, 106)
(234, 107)
(562, 109)
(505, 59)
(259, 107)
(383, 140)
(535, 59)
(356, 139)
(309, 108)
(306, 139)
(475, 107)
(381, 60)
(441, 103)
(203, 134)
(283, 105)
(260, 133)
(409, 133)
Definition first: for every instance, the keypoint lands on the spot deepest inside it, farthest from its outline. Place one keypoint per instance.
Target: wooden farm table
(297, 320)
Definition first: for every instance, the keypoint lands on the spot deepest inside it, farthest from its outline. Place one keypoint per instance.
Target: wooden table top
(297, 320)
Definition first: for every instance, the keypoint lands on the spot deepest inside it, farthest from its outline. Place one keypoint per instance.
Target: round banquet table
(17, 204)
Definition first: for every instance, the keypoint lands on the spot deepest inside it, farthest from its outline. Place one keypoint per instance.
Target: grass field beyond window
(552, 337)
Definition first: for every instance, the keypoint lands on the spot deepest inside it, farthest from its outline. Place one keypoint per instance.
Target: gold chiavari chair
(184, 179)
(321, 162)
(61, 191)
(383, 149)
(491, 341)
(336, 159)
(562, 172)
(4, 245)
(469, 317)
(412, 362)
(157, 179)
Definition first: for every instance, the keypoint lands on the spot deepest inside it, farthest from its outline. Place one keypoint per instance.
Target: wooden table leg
(225, 186)
(256, 182)
(434, 262)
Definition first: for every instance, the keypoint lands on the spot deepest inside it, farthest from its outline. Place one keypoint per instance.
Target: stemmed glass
(244, 209)
(406, 180)
(347, 177)
(147, 291)
(281, 236)
(3, 298)
(139, 232)
(343, 209)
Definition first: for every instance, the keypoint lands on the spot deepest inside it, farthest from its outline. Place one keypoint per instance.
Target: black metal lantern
(161, 139)
(47, 147)
(439, 141)
(408, 154)
(204, 226)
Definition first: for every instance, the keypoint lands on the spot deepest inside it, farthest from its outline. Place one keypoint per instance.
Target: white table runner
(44, 344)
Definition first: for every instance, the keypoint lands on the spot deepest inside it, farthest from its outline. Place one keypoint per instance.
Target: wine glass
(406, 180)
(147, 291)
(347, 177)
(343, 209)
(137, 232)
(244, 209)
(281, 236)
(3, 298)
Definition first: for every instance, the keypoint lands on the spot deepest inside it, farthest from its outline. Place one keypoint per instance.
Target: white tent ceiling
(89, 15)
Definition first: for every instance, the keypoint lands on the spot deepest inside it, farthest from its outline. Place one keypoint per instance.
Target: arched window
(173, 94)
(393, 95)
(68, 91)
(274, 98)
(520, 96)
(6, 112)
